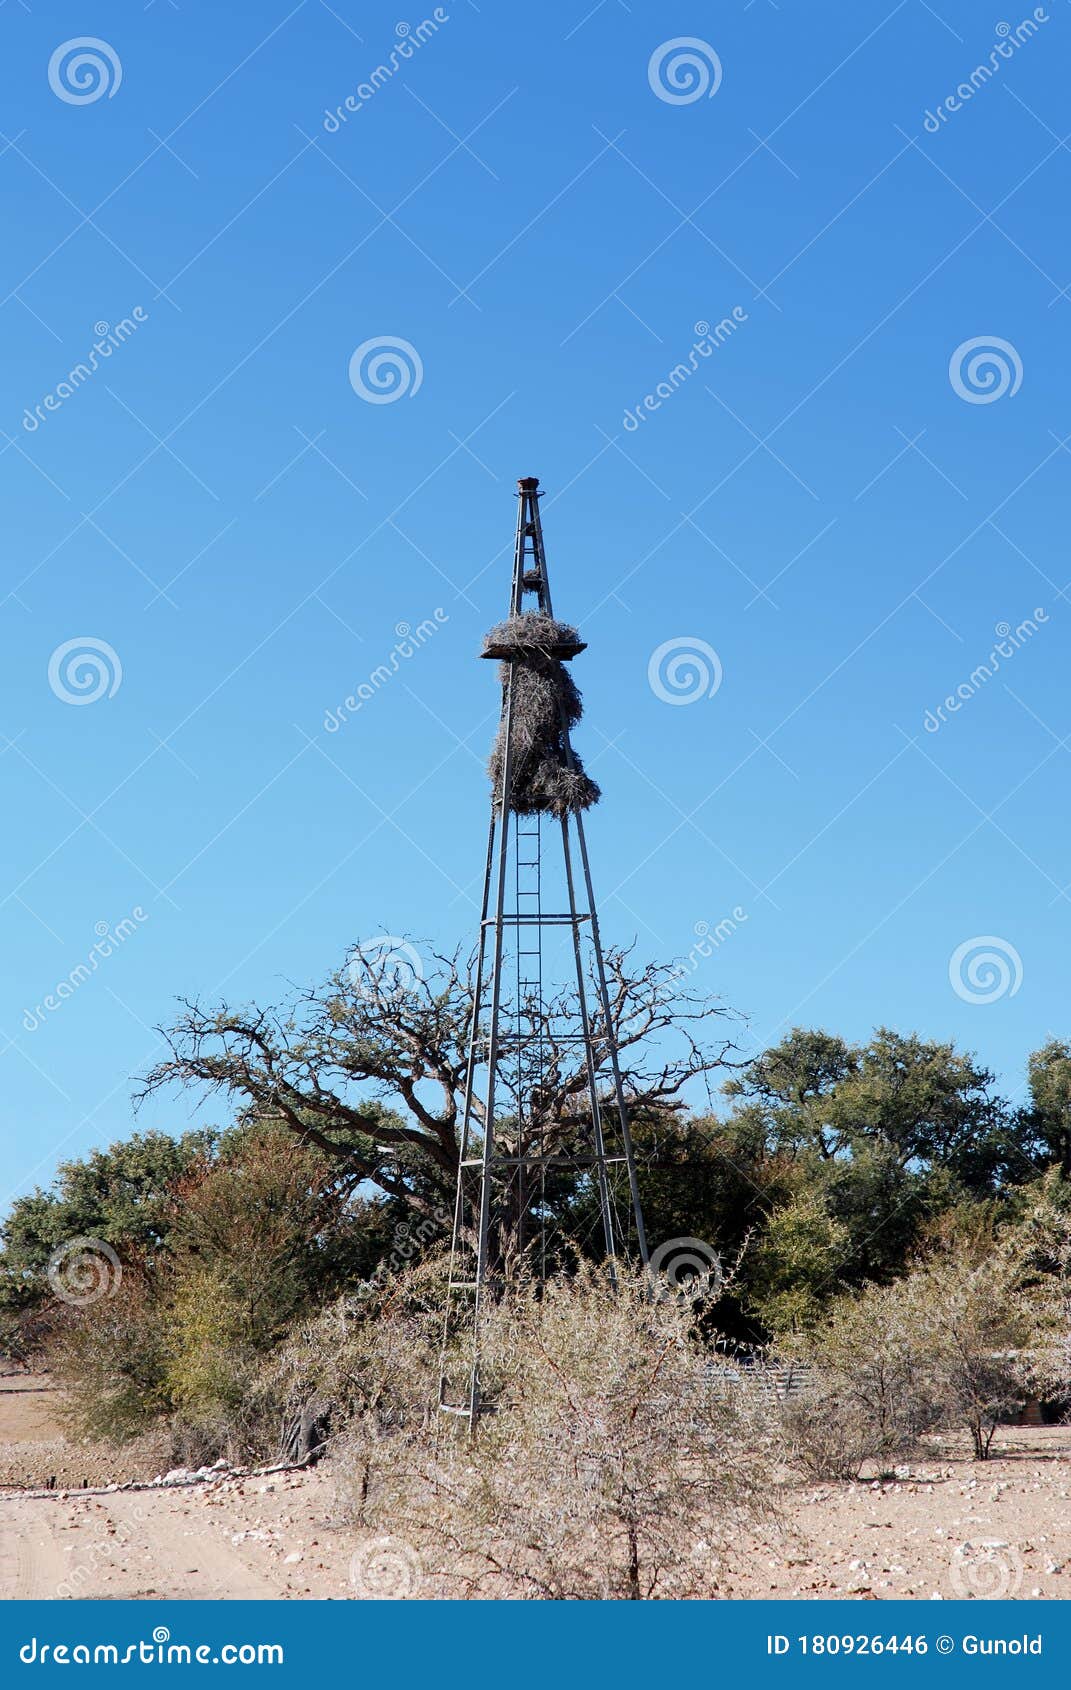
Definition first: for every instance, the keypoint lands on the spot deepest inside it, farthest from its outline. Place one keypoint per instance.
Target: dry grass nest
(546, 776)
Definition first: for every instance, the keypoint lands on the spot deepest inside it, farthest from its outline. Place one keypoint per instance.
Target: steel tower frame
(489, 1044)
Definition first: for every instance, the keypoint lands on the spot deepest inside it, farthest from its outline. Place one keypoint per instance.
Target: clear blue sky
(817, 502)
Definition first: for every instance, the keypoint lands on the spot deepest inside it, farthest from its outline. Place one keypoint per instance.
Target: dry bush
(994, 1329)
(976, 1327)
(368, 1361)
(617, 1459)
(870, 1388)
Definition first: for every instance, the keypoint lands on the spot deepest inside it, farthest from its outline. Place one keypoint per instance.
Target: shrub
(798, 1255)
(616, 1459)
(870, 1386)
(976, 1326)
(110, 1358)
(368, 1361)
(250, 1231)
(993, 1331)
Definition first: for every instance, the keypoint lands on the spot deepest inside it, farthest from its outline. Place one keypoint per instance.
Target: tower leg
(619, 1091)
(457, 1235)
(589, 1054)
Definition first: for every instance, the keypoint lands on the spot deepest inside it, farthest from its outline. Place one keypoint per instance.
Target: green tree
(788, 1090)
(120, 1195)
(933, 1105)
(856, 1150)
(1049, 1119)
(798, 1261)
(257, 1232)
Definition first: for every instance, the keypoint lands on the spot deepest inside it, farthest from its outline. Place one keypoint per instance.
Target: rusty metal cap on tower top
(528, 483)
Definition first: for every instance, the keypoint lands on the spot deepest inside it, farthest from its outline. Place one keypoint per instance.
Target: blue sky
(831, 502)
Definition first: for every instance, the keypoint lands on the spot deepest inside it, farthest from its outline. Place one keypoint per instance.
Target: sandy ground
(945, 1526)
(34, 1452)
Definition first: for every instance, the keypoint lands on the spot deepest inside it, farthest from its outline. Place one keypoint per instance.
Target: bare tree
(371, 1065)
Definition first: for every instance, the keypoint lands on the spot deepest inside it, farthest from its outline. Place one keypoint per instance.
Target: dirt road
(230, 1539)
(945, 1526)
(234, 1537)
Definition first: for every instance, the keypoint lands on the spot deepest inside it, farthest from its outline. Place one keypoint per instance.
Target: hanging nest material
(545, 703)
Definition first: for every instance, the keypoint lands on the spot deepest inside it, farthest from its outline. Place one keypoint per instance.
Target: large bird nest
(546, 777)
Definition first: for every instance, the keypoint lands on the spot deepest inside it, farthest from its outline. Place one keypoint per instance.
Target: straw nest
(545, 778)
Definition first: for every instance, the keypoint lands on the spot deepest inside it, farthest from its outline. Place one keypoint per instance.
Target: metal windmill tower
(515, 1155)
